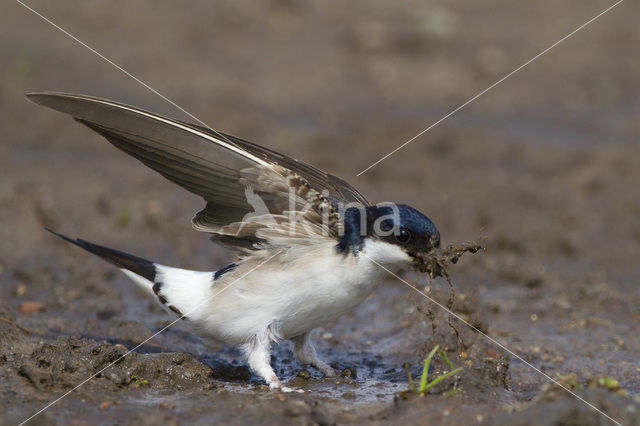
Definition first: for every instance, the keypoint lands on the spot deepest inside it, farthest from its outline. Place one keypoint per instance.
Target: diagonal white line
(76, 39)
(491, 87)
(146, 340)
(497, 343)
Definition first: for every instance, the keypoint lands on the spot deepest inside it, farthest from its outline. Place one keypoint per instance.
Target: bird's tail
(177, 290)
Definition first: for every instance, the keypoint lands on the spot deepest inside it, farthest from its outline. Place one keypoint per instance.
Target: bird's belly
(320, 304)
(313, 289)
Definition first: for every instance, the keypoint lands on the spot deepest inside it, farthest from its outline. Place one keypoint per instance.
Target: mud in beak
(436, 260)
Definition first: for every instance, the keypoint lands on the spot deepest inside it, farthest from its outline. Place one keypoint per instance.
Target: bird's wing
(255, 197)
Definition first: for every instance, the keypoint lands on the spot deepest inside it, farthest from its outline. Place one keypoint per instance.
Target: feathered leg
(259, 355)
(305, 353)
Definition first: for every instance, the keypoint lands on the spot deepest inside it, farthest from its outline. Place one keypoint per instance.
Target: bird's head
(397, 225)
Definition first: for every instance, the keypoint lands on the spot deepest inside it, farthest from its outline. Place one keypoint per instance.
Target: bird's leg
(258, 353)
(306, 354)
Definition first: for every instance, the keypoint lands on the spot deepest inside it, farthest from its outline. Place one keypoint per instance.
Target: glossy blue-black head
(404, 226)
(396, 224)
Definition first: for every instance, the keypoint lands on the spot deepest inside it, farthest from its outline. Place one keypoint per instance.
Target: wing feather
(233, 175)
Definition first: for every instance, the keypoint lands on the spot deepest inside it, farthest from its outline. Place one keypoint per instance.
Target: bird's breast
(322, 287)
(295, 292)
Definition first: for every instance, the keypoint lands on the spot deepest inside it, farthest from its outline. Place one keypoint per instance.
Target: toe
(329, 372)
(275, 383)
(287, 389)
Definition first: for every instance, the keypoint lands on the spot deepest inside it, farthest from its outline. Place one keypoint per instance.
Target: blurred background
(545, 165)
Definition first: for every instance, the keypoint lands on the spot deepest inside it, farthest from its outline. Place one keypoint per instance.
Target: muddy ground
(546, 166)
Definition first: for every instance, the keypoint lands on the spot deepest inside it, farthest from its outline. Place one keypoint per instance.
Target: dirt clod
(304, 374)
(349, 372)
(435, 262)
(70, 360)
(32, 306)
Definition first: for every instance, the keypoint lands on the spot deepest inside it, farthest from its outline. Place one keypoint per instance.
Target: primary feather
(220, 167)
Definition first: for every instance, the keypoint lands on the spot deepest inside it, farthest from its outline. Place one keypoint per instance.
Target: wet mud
(545, 167)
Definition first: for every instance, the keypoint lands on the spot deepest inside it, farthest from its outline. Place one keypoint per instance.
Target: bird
(308, 246)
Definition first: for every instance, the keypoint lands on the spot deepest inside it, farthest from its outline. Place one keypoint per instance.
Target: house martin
(309, 246)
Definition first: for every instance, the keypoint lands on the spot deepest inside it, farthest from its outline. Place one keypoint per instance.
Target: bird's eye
(403, 236)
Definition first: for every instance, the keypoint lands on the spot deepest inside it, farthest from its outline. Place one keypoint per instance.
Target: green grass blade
(412, 386)
(425, 370)
(441, 378)
(446, 358)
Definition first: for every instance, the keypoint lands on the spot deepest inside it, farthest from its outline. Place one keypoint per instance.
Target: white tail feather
(177, 290)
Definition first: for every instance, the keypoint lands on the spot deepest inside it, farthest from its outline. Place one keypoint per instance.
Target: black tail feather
(135, 264)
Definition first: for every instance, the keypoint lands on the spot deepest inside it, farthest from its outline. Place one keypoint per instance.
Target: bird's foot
(287, 389)
(327, 370)
(276, 385)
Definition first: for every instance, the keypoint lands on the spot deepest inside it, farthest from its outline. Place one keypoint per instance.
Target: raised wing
(255, 196)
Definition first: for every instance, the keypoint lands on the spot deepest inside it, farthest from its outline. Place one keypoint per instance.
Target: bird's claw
(278, 386)
(329, 372)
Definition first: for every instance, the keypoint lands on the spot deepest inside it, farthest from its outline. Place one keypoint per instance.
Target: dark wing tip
(54, 100)
(41, 98)
(69, 103)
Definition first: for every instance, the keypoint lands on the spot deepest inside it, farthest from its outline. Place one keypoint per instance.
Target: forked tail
(177, 290)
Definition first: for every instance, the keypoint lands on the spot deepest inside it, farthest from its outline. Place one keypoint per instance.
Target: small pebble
(304, 374)
(31, 306)
(349, 372)
(21, 290)
(493, 354)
